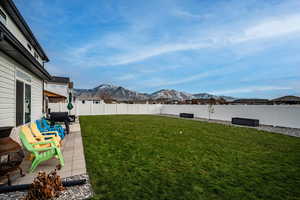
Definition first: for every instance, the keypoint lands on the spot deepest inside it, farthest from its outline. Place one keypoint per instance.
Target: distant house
(145, 101)
(94, 100)
(287, 100)
(57, 89)
(110, 101)
(174, 102)
(207, 101)
(251, 101)
(188, 101)
(159, 101)
(22, 72)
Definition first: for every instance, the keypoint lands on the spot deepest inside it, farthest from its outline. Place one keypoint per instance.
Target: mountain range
(122, 94)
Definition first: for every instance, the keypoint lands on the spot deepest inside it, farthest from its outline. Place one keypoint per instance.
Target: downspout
(44, 111)
(43, 97)
(1, 36)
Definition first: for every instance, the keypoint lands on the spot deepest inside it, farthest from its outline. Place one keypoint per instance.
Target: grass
(153, 157)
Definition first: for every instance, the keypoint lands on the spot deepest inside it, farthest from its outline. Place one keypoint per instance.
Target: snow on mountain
(205, 96)
(171, 94)
(108, 91)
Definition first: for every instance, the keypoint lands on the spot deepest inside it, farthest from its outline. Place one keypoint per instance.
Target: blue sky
(237, 48)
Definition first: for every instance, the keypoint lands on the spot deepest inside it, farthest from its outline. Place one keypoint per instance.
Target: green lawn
(152, 157)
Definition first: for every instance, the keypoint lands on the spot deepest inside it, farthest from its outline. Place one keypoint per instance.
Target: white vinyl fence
(89, 108)
(276, 115)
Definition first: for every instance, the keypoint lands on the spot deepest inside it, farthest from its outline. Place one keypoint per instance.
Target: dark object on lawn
(60, 117)
(186, 115)
(11, 154)
(14, 188)
(245, 121)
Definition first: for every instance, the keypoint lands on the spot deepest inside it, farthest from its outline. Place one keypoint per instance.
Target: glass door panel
(27, 103)
(19, 103)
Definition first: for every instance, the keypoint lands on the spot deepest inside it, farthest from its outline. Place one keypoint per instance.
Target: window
(36, 55)
(29, 47)
(23, 76)
(2, 17)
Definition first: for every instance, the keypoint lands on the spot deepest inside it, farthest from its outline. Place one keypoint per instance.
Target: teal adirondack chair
(41, 154)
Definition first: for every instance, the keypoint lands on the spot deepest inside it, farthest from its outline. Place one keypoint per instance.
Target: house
(161, 101)
(205, 101)
(22, 72)
(287, 100)
(208, 101)
(94, 100)
(188, 101)
(57, 89)
(251, 101)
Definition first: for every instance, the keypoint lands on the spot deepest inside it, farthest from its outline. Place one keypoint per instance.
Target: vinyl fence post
(91, 109)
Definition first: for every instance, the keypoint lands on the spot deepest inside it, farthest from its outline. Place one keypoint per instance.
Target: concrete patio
(73, 153)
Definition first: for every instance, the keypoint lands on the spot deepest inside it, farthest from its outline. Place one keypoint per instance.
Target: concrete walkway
(73, 153)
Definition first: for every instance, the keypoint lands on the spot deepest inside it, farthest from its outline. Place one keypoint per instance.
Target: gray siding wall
(7, 92)
(8, 68)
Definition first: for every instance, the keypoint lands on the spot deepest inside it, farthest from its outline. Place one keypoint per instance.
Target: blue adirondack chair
(56, 127)
(43, 126)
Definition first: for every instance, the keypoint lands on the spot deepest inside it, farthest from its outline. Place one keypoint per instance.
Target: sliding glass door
(23, 98)
(19, 103)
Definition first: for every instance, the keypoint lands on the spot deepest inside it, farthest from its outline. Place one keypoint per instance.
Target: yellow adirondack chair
(42, 138)
(39, 155)
(31, 139)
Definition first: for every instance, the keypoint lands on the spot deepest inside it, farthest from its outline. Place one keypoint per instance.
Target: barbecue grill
(11, 154)
(60, 117)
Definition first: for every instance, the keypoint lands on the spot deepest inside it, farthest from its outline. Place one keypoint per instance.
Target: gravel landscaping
(75, 192)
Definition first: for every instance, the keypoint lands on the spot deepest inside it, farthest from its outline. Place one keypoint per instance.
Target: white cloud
(269, 28)
(154, 51)
(250, 89)
(91, 54)
(127, 77)
(157, 82)
(183, 13)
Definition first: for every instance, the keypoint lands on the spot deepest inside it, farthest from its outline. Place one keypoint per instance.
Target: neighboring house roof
(287, 98)
(52, 94)
(58, 79)
(16, 16)
(250, 101)
(89, 98)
